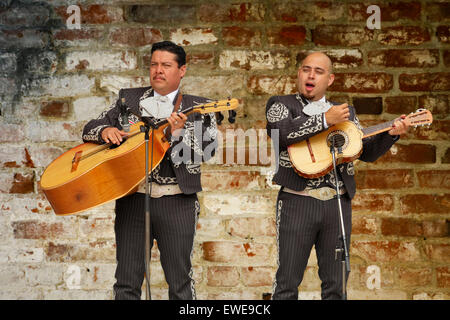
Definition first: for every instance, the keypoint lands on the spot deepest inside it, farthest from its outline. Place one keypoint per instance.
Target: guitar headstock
(218, 106)
(419, 118)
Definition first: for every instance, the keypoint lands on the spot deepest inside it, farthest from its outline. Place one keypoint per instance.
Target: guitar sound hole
(337, 139)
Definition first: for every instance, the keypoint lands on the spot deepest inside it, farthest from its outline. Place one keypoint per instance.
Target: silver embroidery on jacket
(277, 112)
(285, 161)
(308, 127)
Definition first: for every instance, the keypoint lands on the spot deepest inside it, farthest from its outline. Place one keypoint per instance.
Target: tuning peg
(231, 116)
(219, 117)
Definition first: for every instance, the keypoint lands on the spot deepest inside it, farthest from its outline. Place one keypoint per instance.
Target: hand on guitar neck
(337, 114)
(399, 126)
(340, 113)
(176, 122)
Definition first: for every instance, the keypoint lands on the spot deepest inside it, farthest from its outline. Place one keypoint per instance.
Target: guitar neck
(187, 112)
(376, 129)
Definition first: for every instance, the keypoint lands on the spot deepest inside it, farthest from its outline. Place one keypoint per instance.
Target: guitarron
(87, 175)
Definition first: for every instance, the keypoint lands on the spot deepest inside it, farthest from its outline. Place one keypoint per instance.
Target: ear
(331, 79)
(183, 69)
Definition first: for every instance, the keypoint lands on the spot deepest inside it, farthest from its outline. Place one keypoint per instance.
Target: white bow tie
(316, 107)
(159, 107)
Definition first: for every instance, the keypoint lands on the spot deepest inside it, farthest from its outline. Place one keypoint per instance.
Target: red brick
(226, 251)
(411, 153)
(437, 11)
(200, 59)
(241, 12)
(58, 109)
(399, 58)
(237, 36)
(22, 183)
(386, 251)
(164, 13)
(251, 227)
(94, 14)
(443, 277)
(257, 276)
(439, 81)
(413, 277)
(424, 203)
(384, 179)
(368, 105)
(364, 225)
(401, 227)
(438, 252)
(33, 229)
(391, 11)
(373, 202)
(446, 56)
(78, 34)
(443, 34)
(340, 35)
(59, 252)
(287, 36)
(135, 37)
(446, 157)
(362, 82)
(222, 276)
(400, 104)
(229, 180)
(403, 35)
(312, 11)
(436, 228)
(434, 179)
(272, 85)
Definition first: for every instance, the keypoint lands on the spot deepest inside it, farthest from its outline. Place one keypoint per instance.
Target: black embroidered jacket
(284, 113)
(177, 167)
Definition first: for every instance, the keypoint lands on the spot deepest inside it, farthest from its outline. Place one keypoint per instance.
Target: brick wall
(53, 79)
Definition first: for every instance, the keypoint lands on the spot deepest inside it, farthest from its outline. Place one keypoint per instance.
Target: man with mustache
(306, 209)
(174, 206)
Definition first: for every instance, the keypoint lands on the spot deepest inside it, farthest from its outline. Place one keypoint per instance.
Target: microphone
(124, 113)
(336, 139)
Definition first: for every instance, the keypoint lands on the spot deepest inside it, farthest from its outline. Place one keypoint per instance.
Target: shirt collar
(321, 100)
(171, 95)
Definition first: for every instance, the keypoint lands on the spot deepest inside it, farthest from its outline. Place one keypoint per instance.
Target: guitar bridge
(76, 160)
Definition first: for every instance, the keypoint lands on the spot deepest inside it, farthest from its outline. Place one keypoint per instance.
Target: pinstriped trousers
(173, 221)
(301, 223)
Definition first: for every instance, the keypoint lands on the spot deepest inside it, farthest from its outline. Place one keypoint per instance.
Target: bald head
(320, 56)
(315, 75)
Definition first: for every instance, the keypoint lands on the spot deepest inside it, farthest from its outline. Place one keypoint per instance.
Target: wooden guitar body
(312, 158)
(91, 174)
(72, 185)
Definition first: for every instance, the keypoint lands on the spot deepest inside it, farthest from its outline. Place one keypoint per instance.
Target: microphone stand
(343, 250)
(148, 189)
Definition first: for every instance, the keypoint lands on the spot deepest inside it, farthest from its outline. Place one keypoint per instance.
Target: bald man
(307, 212)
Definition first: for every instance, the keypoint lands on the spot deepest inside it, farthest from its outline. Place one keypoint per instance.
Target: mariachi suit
(304, 221)
(174, 216)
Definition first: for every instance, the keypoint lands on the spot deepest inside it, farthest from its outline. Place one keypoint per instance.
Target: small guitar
(90, 174)
(312, 158)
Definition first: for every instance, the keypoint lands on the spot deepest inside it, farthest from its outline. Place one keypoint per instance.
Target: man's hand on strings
(113, 135)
